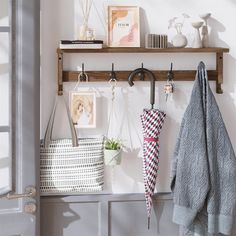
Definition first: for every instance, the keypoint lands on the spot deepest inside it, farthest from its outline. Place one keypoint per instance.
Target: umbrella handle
(142, 71)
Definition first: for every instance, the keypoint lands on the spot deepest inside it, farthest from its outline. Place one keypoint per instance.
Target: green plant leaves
(113, 144)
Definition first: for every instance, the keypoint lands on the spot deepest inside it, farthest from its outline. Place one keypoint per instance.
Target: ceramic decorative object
(205, 35)
(197, 42)
(112, 157)
(179, 40)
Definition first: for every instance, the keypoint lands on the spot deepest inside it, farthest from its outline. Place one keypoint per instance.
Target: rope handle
(113, 83)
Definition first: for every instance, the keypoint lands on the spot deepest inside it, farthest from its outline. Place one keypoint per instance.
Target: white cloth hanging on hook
(128, 122)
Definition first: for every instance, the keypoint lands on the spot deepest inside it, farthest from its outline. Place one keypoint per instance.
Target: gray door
(19, 117)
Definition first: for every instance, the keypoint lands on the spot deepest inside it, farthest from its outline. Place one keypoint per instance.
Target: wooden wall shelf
(145, 50)
(184, 75)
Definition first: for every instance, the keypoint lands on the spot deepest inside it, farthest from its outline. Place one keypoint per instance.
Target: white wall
(58, 22)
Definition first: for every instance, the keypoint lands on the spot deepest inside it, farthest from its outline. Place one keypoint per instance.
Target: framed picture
(123, 26)
(83, 109)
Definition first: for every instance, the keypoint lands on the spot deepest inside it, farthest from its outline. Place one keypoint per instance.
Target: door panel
(4, 48)
(5, 106)
(7, 206)
(4, 98)
(4, 13)
(129, 218)
(68, 219)
(4, 79)
(19, 138)
(4, 146)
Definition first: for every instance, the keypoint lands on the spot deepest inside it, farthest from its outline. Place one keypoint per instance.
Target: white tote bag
(70, 166)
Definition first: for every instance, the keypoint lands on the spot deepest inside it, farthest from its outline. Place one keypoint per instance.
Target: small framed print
(83, 109)
(123, 26)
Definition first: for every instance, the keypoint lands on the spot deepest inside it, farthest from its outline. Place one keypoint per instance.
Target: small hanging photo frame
(83, 108)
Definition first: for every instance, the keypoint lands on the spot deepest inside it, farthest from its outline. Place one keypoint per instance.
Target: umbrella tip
(148, 222)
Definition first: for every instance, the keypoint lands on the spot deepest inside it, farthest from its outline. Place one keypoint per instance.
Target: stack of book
(80, 44)
(156, 41)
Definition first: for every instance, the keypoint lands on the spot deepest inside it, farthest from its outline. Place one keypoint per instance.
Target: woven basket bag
(70, 166)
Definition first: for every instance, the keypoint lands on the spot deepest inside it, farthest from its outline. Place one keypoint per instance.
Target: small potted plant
(112, 152)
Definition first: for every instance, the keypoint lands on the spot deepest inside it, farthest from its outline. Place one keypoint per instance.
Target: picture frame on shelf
(83, 109)
(123, 26)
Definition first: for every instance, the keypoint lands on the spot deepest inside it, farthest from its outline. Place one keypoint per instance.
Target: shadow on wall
(144, 26)
(167, 145)
(134, 171)
(56, 218)
(234, 228)
(180, 96)
(227, 101)
(102, 118)
(158, 210)
(216, 28)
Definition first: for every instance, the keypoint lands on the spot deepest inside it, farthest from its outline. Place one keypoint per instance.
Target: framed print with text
(123, 26)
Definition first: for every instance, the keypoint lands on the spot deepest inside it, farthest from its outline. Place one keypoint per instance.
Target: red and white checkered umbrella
(152, 122)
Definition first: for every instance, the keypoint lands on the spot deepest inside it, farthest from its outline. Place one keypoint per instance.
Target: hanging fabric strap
(150, 139)
(203, 81)
(48, 133)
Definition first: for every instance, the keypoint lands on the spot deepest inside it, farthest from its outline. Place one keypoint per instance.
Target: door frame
(26, 92)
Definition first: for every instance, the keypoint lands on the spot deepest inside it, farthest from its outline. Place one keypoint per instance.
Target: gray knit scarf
(204, 166)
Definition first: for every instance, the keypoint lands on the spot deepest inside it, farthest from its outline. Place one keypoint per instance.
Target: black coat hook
(152, 82)
(83, 76)
(170, 76)
(112, 73)
(141, 74)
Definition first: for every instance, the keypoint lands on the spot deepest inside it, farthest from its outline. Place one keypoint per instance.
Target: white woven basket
(70, 166)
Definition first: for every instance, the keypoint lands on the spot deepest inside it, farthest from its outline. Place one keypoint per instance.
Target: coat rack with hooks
(160, 75)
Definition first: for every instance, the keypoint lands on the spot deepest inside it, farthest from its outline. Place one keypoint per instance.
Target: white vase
(112, 157)
(197, 42)
(179, 40)
(205, 35)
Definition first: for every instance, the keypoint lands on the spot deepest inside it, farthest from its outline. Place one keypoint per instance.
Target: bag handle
(50, 125)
